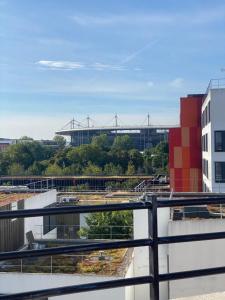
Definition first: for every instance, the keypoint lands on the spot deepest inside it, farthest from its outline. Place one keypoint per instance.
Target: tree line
(100, 157)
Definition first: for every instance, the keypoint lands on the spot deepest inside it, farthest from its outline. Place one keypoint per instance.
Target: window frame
(222, 140)
(222, 172)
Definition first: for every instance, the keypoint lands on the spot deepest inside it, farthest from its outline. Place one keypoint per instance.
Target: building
(185, 162)
(5, 143)
(213, 137)
(13, 232)
(143, 136)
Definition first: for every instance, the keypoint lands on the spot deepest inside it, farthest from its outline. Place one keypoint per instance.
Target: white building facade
(213, 138)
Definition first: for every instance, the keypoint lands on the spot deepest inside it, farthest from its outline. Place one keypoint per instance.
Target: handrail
(153, 241)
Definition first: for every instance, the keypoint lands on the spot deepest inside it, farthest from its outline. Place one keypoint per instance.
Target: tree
(53, 170)
(36, 169)
(136, 158)
(130, 169)
(156, 159)
(102, 142)
(122, 142)
(111, 169)
(60, 141)
(16, 169)
(92, 169)
(108, 225)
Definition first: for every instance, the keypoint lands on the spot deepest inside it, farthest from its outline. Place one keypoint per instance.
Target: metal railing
(151, 204)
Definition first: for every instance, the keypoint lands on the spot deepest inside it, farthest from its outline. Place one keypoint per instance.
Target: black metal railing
(152, 204)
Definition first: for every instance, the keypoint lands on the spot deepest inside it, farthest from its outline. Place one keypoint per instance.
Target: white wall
(217, 115)
(196, 255)
(141, 254)
(36, 223)
(22, 282)
(129, 290)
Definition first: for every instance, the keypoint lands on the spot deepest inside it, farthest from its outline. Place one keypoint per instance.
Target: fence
(70, 232)
(153, 241)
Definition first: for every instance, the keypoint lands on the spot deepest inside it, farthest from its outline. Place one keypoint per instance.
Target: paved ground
(216, 296)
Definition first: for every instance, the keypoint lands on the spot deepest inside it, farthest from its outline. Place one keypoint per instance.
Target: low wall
(21, 282)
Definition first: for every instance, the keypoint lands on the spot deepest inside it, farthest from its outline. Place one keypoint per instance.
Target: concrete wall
(21, 282)
(196, 255)
(141, 254)
(129, 290)
(36, 223)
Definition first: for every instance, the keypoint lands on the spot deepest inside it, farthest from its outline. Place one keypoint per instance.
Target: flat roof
(7, 198)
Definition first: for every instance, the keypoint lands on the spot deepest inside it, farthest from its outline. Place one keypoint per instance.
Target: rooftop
(7, 198)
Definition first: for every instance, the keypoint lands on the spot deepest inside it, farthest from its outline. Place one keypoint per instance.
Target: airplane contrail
(137, 52)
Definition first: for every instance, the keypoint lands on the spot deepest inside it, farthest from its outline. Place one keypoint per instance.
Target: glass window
(209, 115)
(220, 171)
(205, 167)
(219, 141)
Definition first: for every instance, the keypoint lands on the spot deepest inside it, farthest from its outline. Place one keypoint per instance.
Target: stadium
(143, 136)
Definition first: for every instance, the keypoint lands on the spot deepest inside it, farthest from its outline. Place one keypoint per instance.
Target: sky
(72, 58)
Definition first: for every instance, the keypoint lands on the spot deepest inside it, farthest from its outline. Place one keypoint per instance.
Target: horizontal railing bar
(6, 214)
(191, 274)
(191, 237)
(75, 249)
(191, 202)
(79, 288)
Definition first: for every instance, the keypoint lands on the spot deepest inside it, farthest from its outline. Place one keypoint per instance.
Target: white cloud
(201, 16)
(70, 65)
(88, 20)
(101, 67)
(177, 83)
(63, 65)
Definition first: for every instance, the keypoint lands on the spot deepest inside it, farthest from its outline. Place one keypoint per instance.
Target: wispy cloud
(71, 65)
(177, 83)
(65, 65)
(87, 20)
(203, 16)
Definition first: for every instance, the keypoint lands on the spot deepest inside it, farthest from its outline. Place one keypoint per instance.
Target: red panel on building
(186, 165)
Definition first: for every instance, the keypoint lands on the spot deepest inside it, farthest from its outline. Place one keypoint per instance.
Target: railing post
(153, 250)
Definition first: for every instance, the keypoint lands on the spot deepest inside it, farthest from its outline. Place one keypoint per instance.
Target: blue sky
(64, 59)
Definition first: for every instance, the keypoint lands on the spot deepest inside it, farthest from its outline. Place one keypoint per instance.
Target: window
(206, 115)
(219, 141)
(205, 142)
(205, 167)
(209, 115)
(49, 222)
(220, 171)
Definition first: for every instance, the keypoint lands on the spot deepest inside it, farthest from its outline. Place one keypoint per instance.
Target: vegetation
(108, 225)
(101, 157)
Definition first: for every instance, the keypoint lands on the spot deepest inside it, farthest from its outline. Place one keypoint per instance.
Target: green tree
(92, 169)
(53, 170)
(102, 142)
(109, 225)
(136, 158)
(111, 169)
(130, 169)
(60, 141)
(122, 142)
(16, 169)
